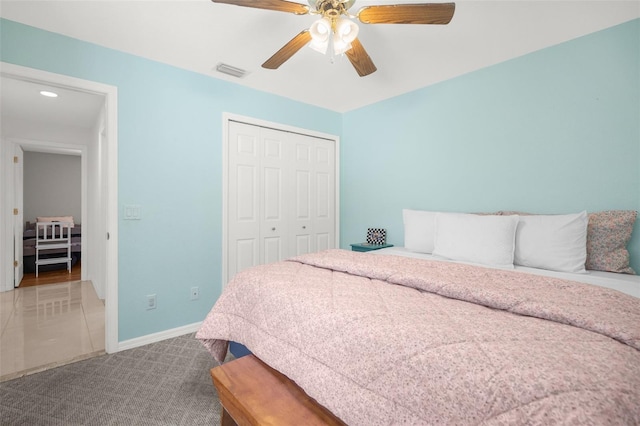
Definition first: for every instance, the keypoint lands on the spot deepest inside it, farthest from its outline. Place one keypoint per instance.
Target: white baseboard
(157, 337)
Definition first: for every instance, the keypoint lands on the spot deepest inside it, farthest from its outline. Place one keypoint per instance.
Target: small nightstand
(369, 247)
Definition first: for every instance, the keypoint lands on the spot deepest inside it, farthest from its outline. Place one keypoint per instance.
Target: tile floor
(49, 325)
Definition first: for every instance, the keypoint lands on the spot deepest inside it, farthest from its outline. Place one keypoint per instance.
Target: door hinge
(15, 263)
(15, 212)
(15, 159)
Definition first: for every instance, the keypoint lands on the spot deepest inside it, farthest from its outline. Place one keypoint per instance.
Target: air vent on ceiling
(228, 69)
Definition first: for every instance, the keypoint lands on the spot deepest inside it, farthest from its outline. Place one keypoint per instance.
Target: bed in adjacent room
(455, 336)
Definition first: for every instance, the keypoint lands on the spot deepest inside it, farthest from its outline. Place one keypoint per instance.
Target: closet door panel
(323, 241)
(325, 204)
(272, 181)
(323, 192)
(302, 199)
(302, 176)
(323, 216)
(302, 202)
(273, 193)
(247, 143)
(303, 150)
(274, 148)
(243, 198)
(273, 230)
(303, 243)
(274, 249)
(301, 226)
(246, 209)
(245, 254)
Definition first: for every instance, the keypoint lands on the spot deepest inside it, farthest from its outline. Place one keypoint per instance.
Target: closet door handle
(273, 229)
(304, 227)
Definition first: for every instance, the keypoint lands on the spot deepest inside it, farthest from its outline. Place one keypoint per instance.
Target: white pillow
(553, 242)
(419, 230)
(485, 240)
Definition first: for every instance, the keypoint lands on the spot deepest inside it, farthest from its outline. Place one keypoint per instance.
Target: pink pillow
(608, 234)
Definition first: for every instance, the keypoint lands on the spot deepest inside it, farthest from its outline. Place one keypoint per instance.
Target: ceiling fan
(334, 33)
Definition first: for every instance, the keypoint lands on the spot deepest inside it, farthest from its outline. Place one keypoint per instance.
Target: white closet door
(281, 195)
(274, 178)
(302, 200)
(323, 172)
(245, 152)
(313, 202)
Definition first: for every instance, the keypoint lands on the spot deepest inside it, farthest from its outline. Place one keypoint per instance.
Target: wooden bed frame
(252, 393)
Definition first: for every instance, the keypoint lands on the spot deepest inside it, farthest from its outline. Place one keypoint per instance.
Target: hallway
(52, 277)
(45, 326)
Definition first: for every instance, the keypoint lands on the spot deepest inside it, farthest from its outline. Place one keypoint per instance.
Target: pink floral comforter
(383, 340)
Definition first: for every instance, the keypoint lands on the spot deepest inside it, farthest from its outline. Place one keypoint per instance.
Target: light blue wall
(555, 131)
(169, 162)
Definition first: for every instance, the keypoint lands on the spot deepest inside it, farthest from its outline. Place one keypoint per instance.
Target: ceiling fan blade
(288, 50)
(360, 59)
(278, 5)
(426, 13)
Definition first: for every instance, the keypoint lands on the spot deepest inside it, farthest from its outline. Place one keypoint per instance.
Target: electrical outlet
(195, 293)
(151, 301)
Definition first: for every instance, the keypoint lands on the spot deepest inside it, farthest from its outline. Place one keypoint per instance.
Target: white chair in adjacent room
(51, 238)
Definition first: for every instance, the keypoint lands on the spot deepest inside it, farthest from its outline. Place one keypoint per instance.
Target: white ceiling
(21, 100)
(198, 34)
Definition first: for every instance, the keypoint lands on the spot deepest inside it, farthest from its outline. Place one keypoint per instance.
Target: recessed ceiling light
(48, 94)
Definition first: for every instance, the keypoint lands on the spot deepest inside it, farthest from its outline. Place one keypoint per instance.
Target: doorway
(52, 191)
(99, 183)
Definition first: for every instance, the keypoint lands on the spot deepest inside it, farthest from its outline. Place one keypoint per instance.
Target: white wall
(15, 128)
(52, 186)
(95, 229)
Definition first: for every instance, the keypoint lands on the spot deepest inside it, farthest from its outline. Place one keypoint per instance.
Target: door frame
(108, 216)
(229, 117)
(65, 149)
(18, 198)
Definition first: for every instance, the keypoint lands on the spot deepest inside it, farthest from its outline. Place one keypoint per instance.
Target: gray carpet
(164, 383)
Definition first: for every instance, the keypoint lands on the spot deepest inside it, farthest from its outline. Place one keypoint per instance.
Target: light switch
(131, 212)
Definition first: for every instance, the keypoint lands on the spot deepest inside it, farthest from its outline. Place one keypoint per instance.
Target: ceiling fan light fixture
(340, 45)
(332, 35)
(346, 30)
(320, 30)
(319, 46)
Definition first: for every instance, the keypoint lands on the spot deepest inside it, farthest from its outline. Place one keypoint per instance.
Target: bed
(29, 244)
(399, 337)
(626, 283)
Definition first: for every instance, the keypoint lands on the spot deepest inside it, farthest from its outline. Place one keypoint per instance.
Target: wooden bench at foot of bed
(252, 393)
